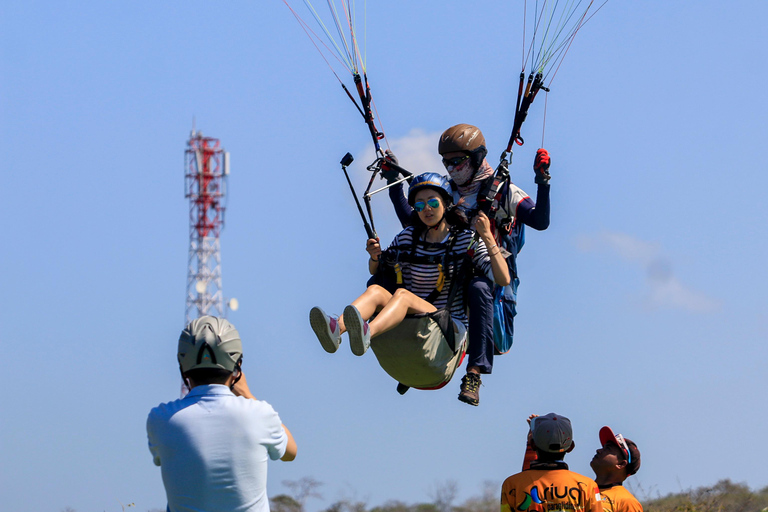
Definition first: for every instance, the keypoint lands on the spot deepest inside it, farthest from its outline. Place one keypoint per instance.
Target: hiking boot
(326, 329)
(470, 388)
(357, 328)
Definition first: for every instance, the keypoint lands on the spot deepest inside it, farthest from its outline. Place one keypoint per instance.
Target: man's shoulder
(238, 409)
(561, 475)
(209, 395)
(622, 499)
(515, 193)
(166, 409)
(581, 478)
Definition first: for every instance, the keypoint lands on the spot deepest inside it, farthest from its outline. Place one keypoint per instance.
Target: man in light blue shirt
(213, 445)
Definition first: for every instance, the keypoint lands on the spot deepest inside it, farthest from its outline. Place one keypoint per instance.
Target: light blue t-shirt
(212, 448)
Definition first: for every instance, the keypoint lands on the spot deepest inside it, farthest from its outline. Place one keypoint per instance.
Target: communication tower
(206, 168)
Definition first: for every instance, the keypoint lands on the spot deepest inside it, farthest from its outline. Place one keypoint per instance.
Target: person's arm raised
(240, 388)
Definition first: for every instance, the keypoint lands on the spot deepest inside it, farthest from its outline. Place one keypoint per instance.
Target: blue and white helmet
(430, 180)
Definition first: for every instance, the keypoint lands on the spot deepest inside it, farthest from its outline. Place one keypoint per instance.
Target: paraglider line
(570, 42)
(342, 54)
(544, 122)
(381, 123)
(558, 53)
(310, 33)
(337, 22)
(525, 17)
(552, 50)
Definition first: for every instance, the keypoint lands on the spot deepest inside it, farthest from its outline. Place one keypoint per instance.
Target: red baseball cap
(627, 446)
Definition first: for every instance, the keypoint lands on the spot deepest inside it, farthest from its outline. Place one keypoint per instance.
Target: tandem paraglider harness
(424, 350)
(510, 236)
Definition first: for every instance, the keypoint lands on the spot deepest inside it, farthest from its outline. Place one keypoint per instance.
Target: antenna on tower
(206, 166)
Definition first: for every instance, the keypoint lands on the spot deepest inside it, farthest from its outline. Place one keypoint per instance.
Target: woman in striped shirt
(426, 287)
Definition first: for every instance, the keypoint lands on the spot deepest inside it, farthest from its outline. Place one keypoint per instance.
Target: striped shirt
(421, 278)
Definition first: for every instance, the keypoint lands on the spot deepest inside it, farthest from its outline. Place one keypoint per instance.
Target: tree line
(724, 496)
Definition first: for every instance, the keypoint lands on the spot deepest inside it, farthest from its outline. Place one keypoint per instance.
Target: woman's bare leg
(402, 303)
(374, 298)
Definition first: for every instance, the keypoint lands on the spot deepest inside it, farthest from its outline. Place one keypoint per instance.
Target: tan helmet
(209, 342)
(462, 137)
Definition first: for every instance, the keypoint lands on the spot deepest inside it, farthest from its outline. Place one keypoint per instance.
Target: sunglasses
(454, 161)
(623, 445)
(433, 203)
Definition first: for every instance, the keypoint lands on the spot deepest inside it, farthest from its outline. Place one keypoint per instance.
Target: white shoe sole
(354, 324)
(317, 319)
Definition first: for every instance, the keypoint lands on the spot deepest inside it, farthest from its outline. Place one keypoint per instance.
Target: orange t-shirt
(550, 490)
(618, 499)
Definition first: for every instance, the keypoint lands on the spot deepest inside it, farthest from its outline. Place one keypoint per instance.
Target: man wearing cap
(548, 484)
(618, 459)
(212, 446)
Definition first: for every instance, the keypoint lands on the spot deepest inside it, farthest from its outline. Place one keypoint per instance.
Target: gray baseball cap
(552, 433)
(209, 342)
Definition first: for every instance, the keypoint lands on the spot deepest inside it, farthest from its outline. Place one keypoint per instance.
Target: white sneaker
(357, 328)
(326, 329)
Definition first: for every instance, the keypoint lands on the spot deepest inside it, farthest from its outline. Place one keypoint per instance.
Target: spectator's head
(210, 351)
(552, 436)
(617, 459)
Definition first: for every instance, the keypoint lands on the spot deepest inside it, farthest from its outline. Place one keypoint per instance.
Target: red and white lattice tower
(206, 167)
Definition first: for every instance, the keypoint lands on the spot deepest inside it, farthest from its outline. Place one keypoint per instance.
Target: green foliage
(724, 496)
(442, 495)
(393, 506)
(285, 503)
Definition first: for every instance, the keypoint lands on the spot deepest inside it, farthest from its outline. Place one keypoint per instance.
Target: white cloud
(417, 153)
(665, 290)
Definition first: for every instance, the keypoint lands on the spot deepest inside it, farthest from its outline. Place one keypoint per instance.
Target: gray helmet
(209, 342)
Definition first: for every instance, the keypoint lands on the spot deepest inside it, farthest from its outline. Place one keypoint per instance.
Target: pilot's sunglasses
(433, 203)
(623, 445)
(454, 161)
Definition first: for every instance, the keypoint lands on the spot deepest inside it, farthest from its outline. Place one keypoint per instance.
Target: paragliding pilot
(479, 191)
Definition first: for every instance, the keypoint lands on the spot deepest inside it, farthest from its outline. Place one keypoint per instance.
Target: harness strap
(398, 256)
(434, 294)
(451, 267)
(443, 316)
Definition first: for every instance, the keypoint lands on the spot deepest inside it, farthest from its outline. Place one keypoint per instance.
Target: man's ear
(573, 445)
(622, 464)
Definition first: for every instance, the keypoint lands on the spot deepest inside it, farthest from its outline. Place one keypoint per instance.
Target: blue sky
(641, 307)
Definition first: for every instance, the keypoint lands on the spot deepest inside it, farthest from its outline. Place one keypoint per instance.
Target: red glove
(541, 167)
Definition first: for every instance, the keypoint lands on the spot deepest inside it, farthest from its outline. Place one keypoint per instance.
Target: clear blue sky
(642, 307)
